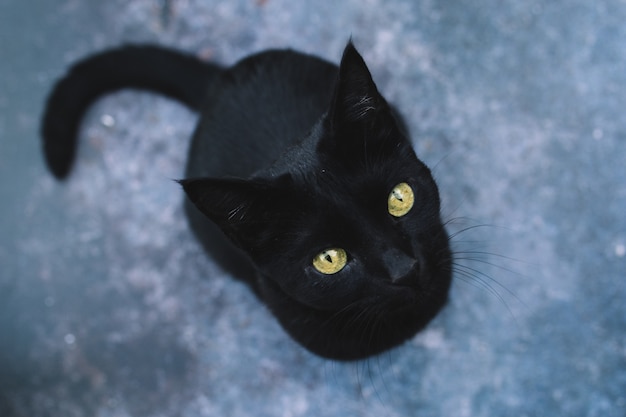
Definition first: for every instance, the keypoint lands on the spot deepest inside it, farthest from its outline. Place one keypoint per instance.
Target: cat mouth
(414, 288)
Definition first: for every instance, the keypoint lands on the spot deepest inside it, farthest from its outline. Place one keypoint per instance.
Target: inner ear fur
(241, 208)
(355, 96)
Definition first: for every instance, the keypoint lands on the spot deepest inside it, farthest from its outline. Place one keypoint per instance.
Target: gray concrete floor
(109, 308)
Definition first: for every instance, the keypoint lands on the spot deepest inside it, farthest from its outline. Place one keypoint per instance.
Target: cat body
(301, 180)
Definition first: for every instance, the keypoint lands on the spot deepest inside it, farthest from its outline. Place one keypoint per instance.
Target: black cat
(323, 206)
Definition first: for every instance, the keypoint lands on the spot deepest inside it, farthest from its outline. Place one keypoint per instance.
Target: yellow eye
(400, 200)
(330, 261)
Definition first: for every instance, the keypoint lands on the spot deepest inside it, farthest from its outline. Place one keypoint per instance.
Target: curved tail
(174, 74)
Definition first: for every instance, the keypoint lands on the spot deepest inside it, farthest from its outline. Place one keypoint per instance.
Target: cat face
(346, 236)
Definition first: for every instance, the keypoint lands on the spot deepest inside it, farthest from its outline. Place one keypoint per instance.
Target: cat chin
(365, 327)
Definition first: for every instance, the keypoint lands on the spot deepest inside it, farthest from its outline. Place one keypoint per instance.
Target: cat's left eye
(330, 261)
(400, 200)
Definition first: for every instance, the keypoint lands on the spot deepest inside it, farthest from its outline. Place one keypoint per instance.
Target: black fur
(291, 156)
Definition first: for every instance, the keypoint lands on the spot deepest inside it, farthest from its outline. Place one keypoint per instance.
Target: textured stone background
(109, 308)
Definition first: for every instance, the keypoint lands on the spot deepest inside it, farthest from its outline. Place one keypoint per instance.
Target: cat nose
(399, 264)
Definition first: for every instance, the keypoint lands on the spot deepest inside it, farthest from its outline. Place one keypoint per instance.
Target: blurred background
(108, 307)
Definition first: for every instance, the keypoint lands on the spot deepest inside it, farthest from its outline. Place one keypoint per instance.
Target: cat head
(346, 234)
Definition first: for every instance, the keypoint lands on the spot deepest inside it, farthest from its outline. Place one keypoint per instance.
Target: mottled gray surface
(109, 308)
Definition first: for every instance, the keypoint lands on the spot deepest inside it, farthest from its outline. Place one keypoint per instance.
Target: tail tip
(58, 150)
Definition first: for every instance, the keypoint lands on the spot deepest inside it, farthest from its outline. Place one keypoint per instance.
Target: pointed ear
(242, 209)
(356, 95)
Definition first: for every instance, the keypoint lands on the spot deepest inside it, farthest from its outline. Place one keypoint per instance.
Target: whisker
(477, 280)
(497, 255)
(468, 228)
(481, 280)
(488, 278)
(483, 261)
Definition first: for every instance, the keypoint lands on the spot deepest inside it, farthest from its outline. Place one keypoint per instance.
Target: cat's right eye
(400, 200)
(330, 261)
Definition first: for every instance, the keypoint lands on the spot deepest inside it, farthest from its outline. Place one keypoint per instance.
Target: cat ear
(359, 121)
(356, 96)
(242, 209)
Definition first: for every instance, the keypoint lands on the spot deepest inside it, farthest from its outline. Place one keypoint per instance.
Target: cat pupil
(328, 258)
